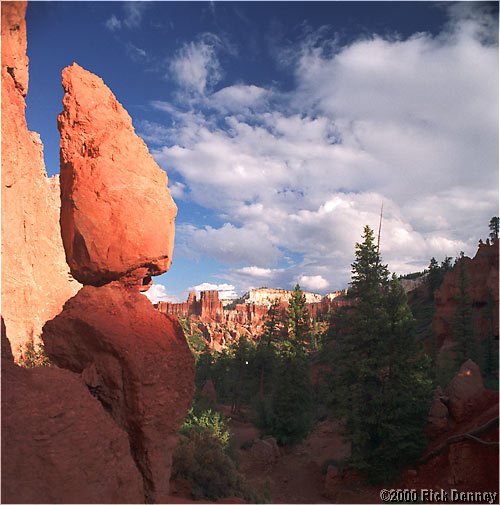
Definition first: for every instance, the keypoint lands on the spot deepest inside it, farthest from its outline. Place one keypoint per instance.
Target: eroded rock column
(117, 222)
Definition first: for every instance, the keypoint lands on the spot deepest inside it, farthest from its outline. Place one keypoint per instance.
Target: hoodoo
(117, 222)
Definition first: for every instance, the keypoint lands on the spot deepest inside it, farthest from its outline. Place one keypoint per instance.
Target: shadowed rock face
(35, 276)
(136, 362)
(117, 215)
(482, 287)
(58, 443)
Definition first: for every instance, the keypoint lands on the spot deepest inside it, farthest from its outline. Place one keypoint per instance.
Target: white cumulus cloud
(158, 293)
(411, 123)
(313, 282)
(226, 291)
(196, 66)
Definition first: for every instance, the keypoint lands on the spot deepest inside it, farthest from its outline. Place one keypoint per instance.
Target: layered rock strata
(35, 277)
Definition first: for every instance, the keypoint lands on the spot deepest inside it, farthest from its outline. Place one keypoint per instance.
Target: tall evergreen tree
(291, 400)
(434, 277)
(272, 325)
(463, 327)
(298, 318)
(494, 227)
(380, 383)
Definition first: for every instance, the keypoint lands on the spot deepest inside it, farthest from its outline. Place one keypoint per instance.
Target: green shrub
(33, 356)
(207, 421)
(203, 457)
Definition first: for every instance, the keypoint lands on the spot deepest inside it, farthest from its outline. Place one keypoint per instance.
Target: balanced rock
(117, 214)
(35, 276)
(136, 361)
(58, 443)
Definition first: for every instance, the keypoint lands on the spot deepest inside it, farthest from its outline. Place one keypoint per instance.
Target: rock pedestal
(136, 362)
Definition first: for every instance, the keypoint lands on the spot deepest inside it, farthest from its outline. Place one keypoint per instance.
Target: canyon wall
(221, 326)
(266, 296)
(35, 276)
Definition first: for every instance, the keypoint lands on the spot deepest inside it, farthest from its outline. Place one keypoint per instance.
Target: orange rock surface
(136, 362)
(482, 287)
(117, 215)
(35, 276)
(58, 443)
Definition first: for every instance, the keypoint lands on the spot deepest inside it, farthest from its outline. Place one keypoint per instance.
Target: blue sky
(283, 126)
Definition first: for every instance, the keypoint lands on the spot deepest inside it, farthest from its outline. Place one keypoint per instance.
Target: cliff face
(266, 296)
(35, 277)
(220, 326)
(208, 308)
(102, 427)
(482, 286)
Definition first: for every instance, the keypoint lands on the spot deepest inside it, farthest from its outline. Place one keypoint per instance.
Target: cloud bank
(408, 123)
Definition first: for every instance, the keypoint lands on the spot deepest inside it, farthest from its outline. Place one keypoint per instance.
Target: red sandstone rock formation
(117, 220)
(221, 326)
(465, 392)
(58, 443)
(117, 215)
(210, 306)
(482, 278)
(35, 276)
(136, 362)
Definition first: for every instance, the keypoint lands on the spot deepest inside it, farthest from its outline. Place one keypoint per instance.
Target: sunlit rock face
(117, 214)
(35, 276)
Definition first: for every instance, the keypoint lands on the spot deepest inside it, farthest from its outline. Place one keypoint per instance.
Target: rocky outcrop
(482, 286)
(210, 306)
(117, 215)
(266, 296)
(103, 430)
(35, 277)
(221, 325)
(437, 420)
(58, 443)
(466, 391)
(136, 362)
(117, 220)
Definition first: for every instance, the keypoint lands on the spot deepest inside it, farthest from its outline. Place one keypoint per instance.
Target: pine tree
(380, 383)
(463, 327)
(434, 277)
(494, 227)
(298, 319)
(272, 325)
